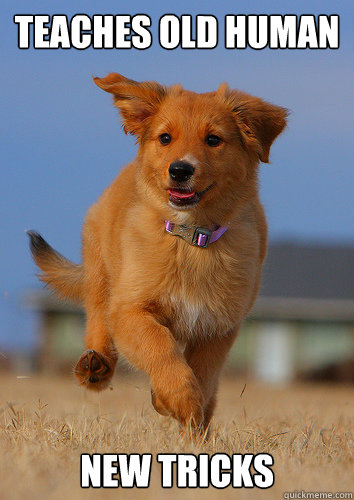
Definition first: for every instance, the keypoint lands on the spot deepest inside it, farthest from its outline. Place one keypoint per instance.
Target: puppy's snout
(181, 171)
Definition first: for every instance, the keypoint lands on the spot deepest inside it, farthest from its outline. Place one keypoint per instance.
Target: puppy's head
(198, 153)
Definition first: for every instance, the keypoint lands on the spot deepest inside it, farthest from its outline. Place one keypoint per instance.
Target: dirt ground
(46, 423)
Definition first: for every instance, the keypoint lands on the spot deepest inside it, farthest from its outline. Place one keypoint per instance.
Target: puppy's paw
(157, 404)
(190, 408)
(94, 370)
(184, 402)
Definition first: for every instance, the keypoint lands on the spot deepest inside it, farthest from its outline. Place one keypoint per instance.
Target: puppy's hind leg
(96, 365)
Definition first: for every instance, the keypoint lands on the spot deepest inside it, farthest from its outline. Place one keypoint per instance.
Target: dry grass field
(45, 424)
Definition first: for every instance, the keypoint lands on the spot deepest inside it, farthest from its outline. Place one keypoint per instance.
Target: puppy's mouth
(183, 197)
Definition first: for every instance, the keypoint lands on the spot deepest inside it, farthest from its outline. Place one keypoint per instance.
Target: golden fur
(172, 309)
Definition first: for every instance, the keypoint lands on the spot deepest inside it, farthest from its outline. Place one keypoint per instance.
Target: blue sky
(61, 142)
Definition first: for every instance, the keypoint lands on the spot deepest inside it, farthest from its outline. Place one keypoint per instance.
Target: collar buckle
(201, 237)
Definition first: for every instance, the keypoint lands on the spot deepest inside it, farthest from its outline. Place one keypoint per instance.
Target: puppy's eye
(212, 140)
(165, 139)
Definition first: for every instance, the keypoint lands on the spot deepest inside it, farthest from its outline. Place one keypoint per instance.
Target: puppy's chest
(199, 296)
(193, 311)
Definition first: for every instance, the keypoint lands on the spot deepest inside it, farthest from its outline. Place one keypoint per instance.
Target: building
(302, 322)
(300, 326)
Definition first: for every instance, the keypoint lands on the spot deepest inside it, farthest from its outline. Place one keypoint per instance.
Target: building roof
(304, 271)
(300, 282)
(307, 283)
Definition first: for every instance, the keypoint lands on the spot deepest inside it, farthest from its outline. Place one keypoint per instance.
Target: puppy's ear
(137, 102)
(259, 121)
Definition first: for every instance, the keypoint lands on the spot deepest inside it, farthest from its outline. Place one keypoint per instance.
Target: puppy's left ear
(136, 101)
(259, 121)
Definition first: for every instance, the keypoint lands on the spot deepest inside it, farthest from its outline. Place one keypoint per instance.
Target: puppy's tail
(59, 273)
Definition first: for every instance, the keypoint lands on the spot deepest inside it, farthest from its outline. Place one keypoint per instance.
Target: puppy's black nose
(181, 171)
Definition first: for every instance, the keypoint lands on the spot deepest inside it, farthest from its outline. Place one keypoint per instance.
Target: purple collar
(197, 236)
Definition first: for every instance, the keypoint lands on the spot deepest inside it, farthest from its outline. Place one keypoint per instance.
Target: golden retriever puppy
(173, 249)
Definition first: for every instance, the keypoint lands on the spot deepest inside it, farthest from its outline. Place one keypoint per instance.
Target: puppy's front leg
(150, 346)
(206, 359)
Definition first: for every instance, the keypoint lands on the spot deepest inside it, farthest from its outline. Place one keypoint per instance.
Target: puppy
(173, 249)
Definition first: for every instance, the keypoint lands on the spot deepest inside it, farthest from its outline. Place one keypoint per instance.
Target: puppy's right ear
(259, 121)
(137, 102)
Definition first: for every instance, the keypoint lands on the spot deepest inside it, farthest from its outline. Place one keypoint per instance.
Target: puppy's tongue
(181, 194)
